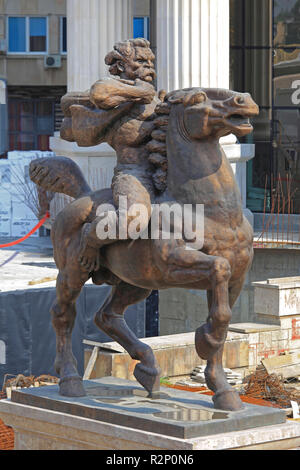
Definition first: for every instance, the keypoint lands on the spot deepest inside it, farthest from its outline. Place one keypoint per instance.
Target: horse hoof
(206, 346)
(71, 387)
(227, 400)
(147, 377)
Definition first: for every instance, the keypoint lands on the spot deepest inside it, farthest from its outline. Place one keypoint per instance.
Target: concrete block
(21, 227)
(5, 227)
(236, 354)
(286, 323)
(280, 335)
(5, 173)
(275, 347)
(275, 335)
(21, 211)
(277, 297)
(249, 328)
(253, 338)
(265, 339)
(172, 361)
(252, 357)
(171, 325)
(283, 345)
(294, 344)
(2, 352)
(175, 354)
(271, 319)
(5, 204)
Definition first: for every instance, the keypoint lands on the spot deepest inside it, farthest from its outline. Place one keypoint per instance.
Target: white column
(192, 43)
(193, 50)
(94, 26)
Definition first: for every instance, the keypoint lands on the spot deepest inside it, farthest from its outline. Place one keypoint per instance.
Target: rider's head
(132, 59)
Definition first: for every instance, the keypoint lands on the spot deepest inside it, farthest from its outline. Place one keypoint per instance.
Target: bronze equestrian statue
(168, 152)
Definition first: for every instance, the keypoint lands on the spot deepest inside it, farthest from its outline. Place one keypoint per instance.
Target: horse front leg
(186, 267)
(210, 339)
(225, 398)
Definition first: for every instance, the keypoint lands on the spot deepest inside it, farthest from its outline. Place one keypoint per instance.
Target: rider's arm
(109, 93)
(86, 124)
(88, 127)
(79, 98)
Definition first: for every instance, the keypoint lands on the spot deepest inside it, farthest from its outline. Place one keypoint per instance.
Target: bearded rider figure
(120, 111)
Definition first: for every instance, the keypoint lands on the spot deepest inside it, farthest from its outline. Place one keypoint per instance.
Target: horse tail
(71, 218)
(59, 175)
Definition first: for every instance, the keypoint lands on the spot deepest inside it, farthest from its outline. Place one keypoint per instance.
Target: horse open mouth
(237, 120)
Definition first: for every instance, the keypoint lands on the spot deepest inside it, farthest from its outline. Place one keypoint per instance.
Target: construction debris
(270, 387)
(286, 365)
(20, 381)
(233, 378)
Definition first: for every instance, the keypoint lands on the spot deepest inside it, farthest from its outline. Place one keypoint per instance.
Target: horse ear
(175, 98)
(120, 66)
(195, 98)
(162, 95)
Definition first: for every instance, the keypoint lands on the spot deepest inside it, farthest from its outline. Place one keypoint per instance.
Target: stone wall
(183, 310)
(246, 345)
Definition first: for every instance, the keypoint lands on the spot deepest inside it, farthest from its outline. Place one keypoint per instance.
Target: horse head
(205, 113)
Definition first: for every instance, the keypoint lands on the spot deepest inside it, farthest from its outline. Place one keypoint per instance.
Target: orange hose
(16, 242)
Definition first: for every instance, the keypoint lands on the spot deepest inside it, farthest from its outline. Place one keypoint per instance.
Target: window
(141, 27)
(27, 34)
(37, 34)
(265, 61)
(31, 123)
(63, 34)
(17, 34)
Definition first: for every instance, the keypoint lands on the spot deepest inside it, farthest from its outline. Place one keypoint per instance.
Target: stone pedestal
(39, 429)
(43, 420)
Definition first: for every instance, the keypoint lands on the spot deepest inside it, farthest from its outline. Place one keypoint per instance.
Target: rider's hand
(147, 89)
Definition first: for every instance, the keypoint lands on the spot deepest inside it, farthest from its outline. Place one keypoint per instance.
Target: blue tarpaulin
(27, 337)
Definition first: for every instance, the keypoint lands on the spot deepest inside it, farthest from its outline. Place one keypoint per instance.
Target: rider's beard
(147, 76)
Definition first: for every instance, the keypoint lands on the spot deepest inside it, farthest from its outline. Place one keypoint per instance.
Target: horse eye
(200, 98)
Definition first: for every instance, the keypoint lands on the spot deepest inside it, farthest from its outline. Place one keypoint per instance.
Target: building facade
(265, 60)
(49, 46)
(33, 69)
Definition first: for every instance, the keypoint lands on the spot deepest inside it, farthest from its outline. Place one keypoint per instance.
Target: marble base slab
(173, 413)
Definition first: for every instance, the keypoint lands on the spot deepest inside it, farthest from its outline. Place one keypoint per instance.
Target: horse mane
(157, 147)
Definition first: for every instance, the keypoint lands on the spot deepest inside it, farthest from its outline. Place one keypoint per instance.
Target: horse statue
(196, 171)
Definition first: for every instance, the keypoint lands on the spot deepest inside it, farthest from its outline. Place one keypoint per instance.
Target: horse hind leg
(110, 319)
(63, 317)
